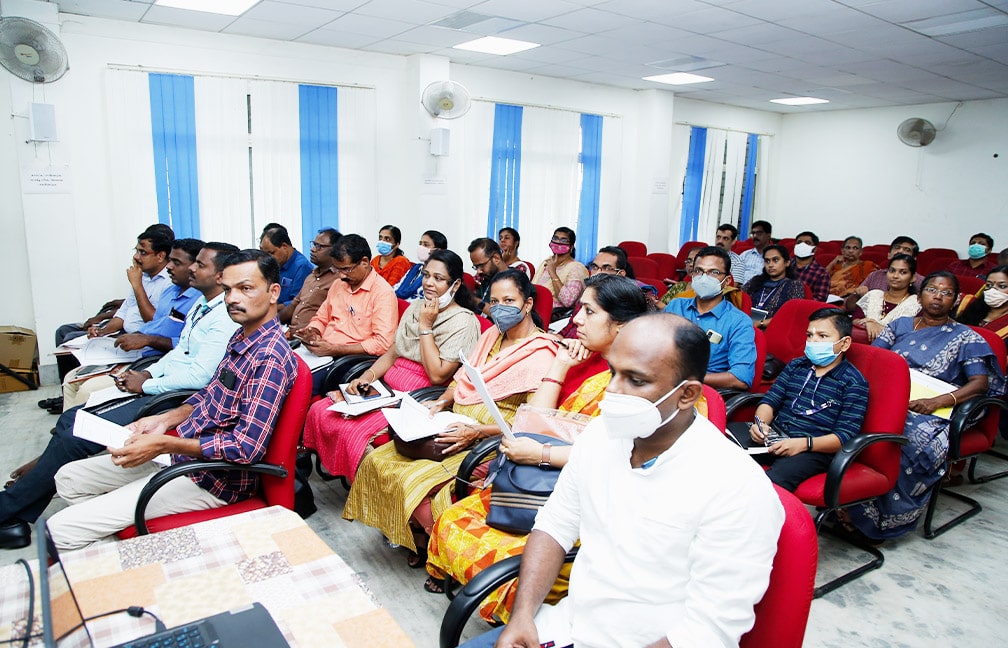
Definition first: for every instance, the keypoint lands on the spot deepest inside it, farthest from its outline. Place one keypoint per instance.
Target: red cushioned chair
(973, 429)
(543, 303)
(276, 470)
(934, 259)
(970, 285)
(879, 258)
(785, 335)
(781, 615)
(716, 413)
(633, 248)
(684, 250)
(469, 281)
(643, 266)
(668, 265)
(867, 466)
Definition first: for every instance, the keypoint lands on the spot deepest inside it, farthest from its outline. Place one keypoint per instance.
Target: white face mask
(423, 253)
(445, 300)
(633, 417)
(995, 298)
(803, 250)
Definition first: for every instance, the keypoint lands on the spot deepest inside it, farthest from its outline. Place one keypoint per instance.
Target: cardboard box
(12, 384)
(18, 348)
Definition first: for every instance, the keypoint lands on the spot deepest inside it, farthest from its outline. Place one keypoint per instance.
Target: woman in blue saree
(932, 343)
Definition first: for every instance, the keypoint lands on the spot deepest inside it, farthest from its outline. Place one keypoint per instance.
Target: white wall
(845, 172)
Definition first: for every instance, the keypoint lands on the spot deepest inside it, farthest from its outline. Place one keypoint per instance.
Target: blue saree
(953, 353)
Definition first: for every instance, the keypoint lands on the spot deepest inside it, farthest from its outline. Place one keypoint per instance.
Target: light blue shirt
(193, 361)
(752, 265)
(736, 351)
(129, 312)
(170, 315)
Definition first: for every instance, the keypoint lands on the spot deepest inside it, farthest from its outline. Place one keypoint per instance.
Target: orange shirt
(367, 316)
(393, 270)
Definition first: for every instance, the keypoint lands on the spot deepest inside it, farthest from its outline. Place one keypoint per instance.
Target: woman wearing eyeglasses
(880, 307)
(775, 285)
(989, 307)
(935, 344)
(560, 273)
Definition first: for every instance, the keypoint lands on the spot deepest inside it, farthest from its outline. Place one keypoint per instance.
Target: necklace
(919, 320)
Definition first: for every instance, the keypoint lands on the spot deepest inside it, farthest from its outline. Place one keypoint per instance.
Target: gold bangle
(373, 374)
(954, 401)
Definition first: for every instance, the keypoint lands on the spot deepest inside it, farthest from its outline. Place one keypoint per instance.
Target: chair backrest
(655, 283)
(888, 379)
(403, 305)
(933, 259)
(782, 613)
(741, 245)
(830, 247)
(788, 244)
(469, 281)
(878, 257)
(716, 413)
(543, 303)
(667, 264)
(745, 304)
(785, 336)
(643, 266)
(282, 449)
(484, 323)
(633, 248)
(761, 353)
(970, 285)
(685, 248)
(988, 425)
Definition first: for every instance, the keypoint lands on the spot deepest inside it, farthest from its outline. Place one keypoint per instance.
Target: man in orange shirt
(360, 312)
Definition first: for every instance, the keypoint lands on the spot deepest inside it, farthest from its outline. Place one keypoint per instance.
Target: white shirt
(752, 265)
(682, 549)
(129, 312)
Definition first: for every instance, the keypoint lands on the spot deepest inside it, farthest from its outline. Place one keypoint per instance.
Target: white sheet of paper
(313, 361)
(363, 407)
(477, 379)
(102, 350)
(75, 343)
(412, 420)
(93, 428)
(105, 395)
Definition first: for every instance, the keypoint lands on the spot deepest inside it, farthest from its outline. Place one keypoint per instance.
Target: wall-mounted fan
(31, 51)
(916, 132)
(446, 99)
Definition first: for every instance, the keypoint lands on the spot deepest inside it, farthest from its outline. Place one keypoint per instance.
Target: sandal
(432, 586)
(20, 471)
(415, 560)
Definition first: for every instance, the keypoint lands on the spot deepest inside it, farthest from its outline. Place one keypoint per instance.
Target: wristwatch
(545, 459)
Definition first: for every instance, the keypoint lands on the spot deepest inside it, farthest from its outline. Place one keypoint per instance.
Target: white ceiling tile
(997, 52)
(368, 25)
(527, 11)
(592, 21)
(713, 20)
(899, 11)
(334, 38)
(756, 35)
(542, 34)
(780, 9)
(391, 46)
(838, 19)
(547, 55)
(662, 11)
(647, 33)
(291, 14)
(415, 11)
(437, 36)
(117, 9)
(265, 28)
(971, 40)
(183, 18)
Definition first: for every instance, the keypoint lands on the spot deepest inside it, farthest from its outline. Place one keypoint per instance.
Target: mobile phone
(370, 392)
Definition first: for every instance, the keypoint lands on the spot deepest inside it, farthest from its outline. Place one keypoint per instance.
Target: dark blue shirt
(170, 314)
(292, 276)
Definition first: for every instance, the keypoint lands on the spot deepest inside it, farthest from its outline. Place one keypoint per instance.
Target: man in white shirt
(678, 527)
(752, 259)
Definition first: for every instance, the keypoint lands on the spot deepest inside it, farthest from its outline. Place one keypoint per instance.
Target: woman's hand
(572, 353)
(789, 447)
(428, 313)
(460, 436)
(522, 450)
(873, 329)
(433, 407)
(356, 386)
(926, 405)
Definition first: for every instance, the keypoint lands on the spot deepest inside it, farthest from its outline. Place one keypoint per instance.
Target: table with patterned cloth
(268, 555)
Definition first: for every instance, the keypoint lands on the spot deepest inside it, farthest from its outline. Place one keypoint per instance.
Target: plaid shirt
(233, 417)
(815, 277)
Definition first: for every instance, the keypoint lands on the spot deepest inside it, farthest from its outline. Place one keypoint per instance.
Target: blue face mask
(506, 317)
(706, 287)
(977, 251)
(820, 353)
(383, 247)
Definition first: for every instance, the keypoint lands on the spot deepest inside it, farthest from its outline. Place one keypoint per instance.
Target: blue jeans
(485, 640)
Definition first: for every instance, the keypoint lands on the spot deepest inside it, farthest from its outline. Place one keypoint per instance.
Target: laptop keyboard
(194, 635)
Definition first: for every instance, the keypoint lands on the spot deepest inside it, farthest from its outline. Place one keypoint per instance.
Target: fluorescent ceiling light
(959, 23)
(496, 45)
(226, 7)
(799, 101)
(678, 78)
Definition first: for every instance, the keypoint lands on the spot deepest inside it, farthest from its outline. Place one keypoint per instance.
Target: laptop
(63, 622)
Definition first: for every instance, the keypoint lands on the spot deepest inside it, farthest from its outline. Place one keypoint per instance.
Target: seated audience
(877, 308)
(487, 260)
(410, 287)
(401, 496)
(989, 307)
(775, 285)
(360, 312)
(877, 280)
(807, 268)
(76, 329)
(935, 344)
(610, 260)
(190, 365)
(752, 259)
(294, 267)
(561, 273)
(508, 239)
(847, 271)
(316, 285)
(682, 287)
(818, 402)
(725, 238)
(462, 543)
(653, 569)
(732, 340)
(391, 262)
(428, 340)
(232, 418)
(976, 263)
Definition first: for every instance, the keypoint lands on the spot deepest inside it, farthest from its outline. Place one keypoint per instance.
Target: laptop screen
(61, 615)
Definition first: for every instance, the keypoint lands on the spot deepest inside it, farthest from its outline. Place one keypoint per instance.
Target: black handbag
(304, 497)
(518, 491)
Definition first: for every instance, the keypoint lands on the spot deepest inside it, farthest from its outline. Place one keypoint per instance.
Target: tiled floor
(928, 593)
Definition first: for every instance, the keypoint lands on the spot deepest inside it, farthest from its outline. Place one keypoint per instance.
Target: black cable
(133, 610)
(28, 636)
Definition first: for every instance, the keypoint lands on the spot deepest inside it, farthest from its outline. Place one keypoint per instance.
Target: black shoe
(56, 409)
(15, 535)
(49, 403)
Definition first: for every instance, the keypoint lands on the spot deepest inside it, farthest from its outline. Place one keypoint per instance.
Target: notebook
(63, 622)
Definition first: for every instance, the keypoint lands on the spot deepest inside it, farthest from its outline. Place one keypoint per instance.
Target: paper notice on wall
(45, 178)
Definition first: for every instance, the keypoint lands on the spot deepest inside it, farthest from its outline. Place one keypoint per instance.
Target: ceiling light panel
(678, 78)
(799, 101)
(496, 45)
(224, 7)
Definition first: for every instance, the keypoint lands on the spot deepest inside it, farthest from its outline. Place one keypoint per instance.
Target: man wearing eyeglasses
(732, 362)
(360, 312)
(487, 260)
(299, 312)
(752, 259)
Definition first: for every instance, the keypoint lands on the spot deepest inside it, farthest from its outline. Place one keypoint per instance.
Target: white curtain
(223, 160)
(760, 210)
(551, 140)
(612, 181)
(134, 197)
(677, 176)
(357, 141)
(473, 135)
(276, 159)
(734, 174)
(710, 195)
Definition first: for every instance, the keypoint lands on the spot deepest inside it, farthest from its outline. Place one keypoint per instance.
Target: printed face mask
(633, 417)
(559, 248)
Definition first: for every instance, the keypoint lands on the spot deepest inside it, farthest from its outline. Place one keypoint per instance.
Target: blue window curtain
(505, 169)
(173, 131)
(591, 183)
(693, 185)
(319, 161)
(748, 183)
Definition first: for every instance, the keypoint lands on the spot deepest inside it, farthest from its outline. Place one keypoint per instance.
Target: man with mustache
(230, 419)
(360, 312)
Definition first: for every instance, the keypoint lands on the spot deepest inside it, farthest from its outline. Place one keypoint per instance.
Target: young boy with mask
(818, 402)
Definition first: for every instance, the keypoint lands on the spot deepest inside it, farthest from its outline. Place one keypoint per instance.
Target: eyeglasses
(478, 267)
(142, 252)
(345, 269)
(717, 274)
(315, 245)
(931, 290)
(756, 233)
(562, 241)
(605, 267)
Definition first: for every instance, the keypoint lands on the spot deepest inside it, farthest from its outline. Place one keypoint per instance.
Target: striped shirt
(805, 405)
(233, 417)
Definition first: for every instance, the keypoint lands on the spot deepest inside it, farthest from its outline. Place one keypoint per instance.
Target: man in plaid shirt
(807, 268)
(231, 419)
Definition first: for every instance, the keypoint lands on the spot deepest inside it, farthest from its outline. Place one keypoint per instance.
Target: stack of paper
(102, 350)
(412, 420)
(93, 428)
(355, 405)
(925, 386)
(313, 361)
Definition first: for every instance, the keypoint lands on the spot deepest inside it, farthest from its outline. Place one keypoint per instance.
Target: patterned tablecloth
(269, 555)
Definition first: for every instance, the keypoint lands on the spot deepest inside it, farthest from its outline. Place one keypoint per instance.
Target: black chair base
(930, 531)
(849, 538)
(983, 479)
